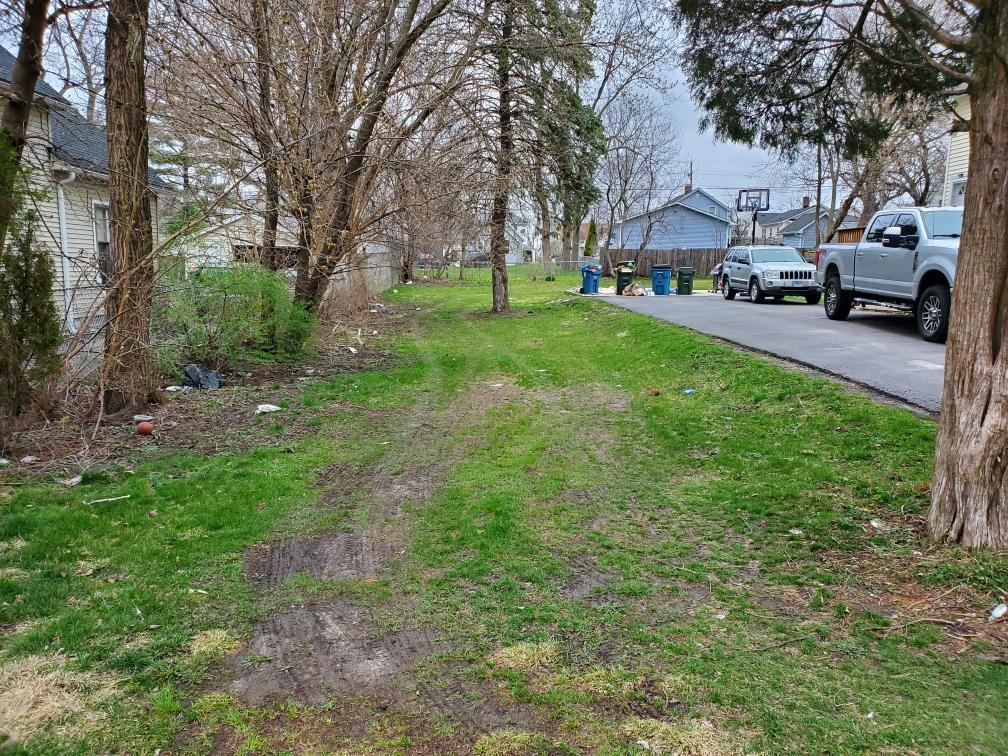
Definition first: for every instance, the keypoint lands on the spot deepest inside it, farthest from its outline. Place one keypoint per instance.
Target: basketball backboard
(753, 200)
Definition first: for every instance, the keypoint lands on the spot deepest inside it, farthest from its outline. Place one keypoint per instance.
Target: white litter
(4, 461)
(173, 388)
(497, 385)
(264, 408)
(998, 612)
(352, 350)
(71, 482)
(28, 459)
(689, 392)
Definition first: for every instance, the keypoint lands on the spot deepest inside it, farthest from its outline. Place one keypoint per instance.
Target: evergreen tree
(772, 73)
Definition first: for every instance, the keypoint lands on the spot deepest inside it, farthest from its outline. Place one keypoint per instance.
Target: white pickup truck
(906, 259)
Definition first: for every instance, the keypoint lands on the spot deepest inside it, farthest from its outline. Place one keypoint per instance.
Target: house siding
(700, 200)
(674, 227)
(957, 163)
(75, 268)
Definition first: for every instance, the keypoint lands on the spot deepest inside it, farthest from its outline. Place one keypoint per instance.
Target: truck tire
(933, 309)
(755, 292)
(813, 298)
(726, 290)
(838, 302)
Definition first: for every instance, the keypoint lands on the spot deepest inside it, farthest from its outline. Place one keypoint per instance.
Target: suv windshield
(777, 254)
(943, 223)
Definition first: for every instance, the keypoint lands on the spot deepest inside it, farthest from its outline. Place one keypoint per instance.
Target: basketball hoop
(753, 200)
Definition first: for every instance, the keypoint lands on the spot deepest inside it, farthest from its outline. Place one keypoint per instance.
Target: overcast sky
(723, 167)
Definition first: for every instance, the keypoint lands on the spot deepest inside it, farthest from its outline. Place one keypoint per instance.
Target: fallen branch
(111, 498)
(782, 643)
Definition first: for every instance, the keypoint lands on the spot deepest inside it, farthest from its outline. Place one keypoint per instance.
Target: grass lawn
(569, 530)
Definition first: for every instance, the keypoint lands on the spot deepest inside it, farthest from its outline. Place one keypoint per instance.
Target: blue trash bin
(590, 277)
(661, 279)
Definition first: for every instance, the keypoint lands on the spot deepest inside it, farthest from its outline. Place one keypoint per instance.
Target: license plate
(798, 283)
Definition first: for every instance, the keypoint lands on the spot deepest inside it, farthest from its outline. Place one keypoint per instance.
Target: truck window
(908, 224)
(878, 227)
(943, 223)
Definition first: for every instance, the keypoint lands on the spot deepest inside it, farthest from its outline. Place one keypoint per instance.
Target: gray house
(693, 220)
(800, 233)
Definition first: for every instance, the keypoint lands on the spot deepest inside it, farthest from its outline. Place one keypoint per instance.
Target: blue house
(695, 219)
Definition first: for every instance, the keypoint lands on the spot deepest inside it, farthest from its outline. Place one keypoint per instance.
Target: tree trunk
(304, 212)
(17, 110)
(545, 230)
(406, 269)
(264, 130)
(969, 499)
(499, 209)
(127, 375)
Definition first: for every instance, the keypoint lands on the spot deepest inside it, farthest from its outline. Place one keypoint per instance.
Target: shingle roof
(768, 219)
(803, 220)
(75, 141)
(42, 89)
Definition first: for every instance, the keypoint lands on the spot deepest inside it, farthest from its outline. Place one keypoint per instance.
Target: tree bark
(545, 227)
(264, 130)
(17, 110)
(127, 374)
(499, 208)
(969, 500)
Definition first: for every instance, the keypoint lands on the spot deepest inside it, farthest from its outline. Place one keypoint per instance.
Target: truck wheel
(838, 301)
(813, 298)
(755, 292)
(933, 313)
(726, 290)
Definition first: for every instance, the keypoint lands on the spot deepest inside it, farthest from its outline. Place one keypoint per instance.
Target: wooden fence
(702, 260)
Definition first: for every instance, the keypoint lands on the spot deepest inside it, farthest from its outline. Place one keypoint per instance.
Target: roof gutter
(71, 324)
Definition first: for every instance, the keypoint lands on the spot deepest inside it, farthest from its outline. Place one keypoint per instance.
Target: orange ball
(145, 428)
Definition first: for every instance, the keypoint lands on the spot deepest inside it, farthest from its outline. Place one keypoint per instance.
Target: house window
(958, 192)
(103, 241)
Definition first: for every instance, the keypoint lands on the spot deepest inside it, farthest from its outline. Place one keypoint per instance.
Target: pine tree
(774, 74)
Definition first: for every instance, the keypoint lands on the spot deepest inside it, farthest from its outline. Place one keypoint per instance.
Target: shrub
(223, 316)
(30, 333)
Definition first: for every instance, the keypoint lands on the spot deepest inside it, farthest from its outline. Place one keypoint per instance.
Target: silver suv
(764, 272)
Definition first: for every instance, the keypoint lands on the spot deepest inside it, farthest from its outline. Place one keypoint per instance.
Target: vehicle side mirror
(892, 237)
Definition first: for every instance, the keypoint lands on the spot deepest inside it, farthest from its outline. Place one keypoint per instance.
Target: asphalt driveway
(879, 350)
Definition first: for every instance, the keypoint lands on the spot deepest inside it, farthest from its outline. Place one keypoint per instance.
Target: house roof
(678, 200)
(42, 89)
(75, 141)
(769, 219)
(803, 220)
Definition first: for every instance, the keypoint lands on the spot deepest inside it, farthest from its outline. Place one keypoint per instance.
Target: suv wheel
(755, 292)
(838, 301)
(813, 298)
(726, 290)
(933, 313)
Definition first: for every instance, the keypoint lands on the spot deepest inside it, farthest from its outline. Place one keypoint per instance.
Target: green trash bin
(624, 275)
(684, 280)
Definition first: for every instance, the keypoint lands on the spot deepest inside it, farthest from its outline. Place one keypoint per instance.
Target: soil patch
(331, 556)
(586, 584)
(317, 652)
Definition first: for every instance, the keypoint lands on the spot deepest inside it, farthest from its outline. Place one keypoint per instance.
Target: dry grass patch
(604, 683)
(40, 693)
(213, 644)
(506, 743)
(13, 545)
(696, 738)
(528, 657)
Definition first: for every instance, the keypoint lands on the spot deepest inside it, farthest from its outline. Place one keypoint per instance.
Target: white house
(68, 162)
(957, 158)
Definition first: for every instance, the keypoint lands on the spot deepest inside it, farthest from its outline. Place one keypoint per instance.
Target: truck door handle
(883, 254)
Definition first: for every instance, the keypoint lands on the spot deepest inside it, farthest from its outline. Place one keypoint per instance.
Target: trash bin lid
(687, 270)
(661, 267)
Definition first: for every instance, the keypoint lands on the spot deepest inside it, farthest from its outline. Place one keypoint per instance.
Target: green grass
(729, 529)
